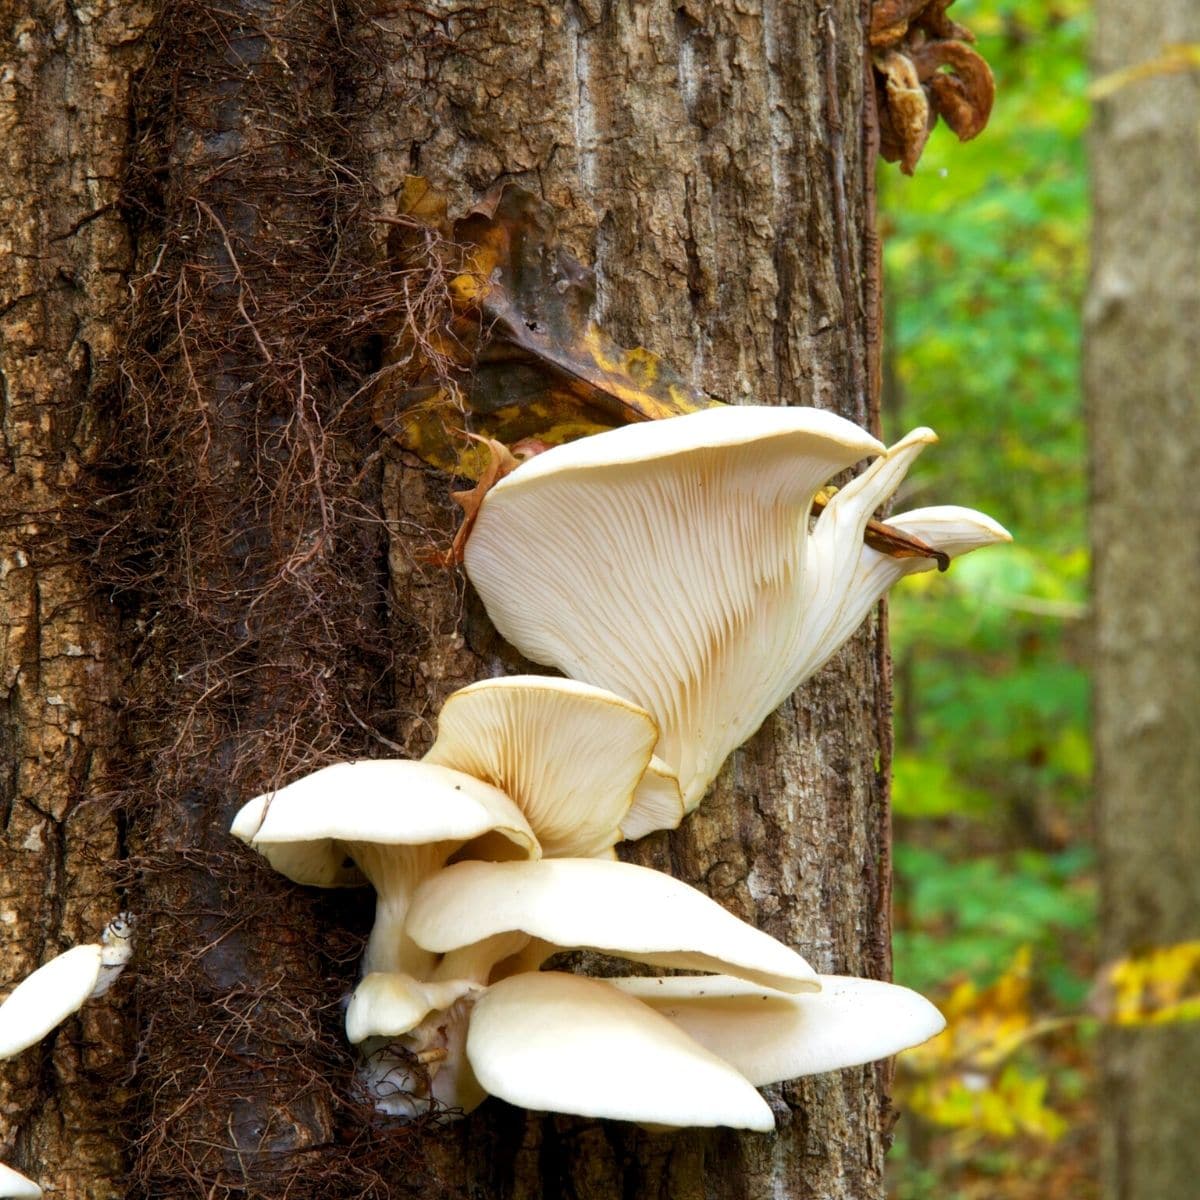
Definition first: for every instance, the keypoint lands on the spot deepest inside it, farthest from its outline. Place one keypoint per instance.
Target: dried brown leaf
(917, 37)
(905, 125)
(964, 97)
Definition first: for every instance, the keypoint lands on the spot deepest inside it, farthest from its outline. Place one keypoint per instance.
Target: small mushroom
(59, 988)
(769, 1035)
(673, 563)
(572, 757)
(392, 821)
(386, 1004)
(566, 1043)
(612, 907)
(15, 1185)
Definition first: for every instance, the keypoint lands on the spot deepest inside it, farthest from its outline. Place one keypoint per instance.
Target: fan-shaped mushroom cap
(671, 563)
(302, 829)
(388, 1004)
(571, 755)
(50, 995)
(769, 1035)
(952, 529)
(565, 1043)
(13, 1184)
(613, 907)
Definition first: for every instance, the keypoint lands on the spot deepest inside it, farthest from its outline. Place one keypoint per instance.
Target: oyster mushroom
(673, 562)
(574, 757)
(600, 1047)
(391, 821)
(15, 1185)
(769, 1035)
(612, 907)
(59, 988)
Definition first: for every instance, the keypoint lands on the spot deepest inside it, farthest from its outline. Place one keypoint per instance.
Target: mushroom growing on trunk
(676, 562)
(521, 767)
(59, 988)
(15, 1185)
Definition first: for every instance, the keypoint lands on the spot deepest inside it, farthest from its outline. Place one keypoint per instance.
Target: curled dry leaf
(962, 97)
(904, 118)
(500, 463)
(918, 49)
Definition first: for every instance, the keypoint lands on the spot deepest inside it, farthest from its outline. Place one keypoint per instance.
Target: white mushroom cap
(597, 904)
(668, 561)
(303, 829)
(571, 755)
(399, 821)
(50, 995)
(388, 1004)
(14, 1184)
(566, 1043)
(769, 1035)
(950, 528)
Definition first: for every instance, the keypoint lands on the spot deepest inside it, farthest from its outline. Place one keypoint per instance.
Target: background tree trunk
(712, 160)
(1142, 368)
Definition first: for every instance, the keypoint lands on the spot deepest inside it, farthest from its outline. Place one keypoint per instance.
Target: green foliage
(985, 266)
(971, 917)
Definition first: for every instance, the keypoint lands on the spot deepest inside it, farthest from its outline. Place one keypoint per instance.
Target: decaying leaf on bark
(515, 354)
(926, 69)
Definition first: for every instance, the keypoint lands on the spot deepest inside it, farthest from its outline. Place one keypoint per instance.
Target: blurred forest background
(995, 887)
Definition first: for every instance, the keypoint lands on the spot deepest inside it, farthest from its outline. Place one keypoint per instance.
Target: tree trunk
(1142, 368)
(713, 161)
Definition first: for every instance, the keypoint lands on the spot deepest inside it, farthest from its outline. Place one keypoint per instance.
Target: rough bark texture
(64, 261)
(712, 160)
(1142, 368)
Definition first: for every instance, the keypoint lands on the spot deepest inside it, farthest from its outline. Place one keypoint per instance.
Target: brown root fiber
(235, 520)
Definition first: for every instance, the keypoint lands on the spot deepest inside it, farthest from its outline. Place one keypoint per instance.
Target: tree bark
(714, 162)
(1142, 367)
(65, 256)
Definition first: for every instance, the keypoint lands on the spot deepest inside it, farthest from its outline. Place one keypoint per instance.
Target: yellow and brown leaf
(515, 354)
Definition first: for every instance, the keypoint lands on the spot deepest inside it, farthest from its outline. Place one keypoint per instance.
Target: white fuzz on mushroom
(770, 1035)
(571, 755)
(672, 562)
(59, 988)
(566, 1043)
(613, 907)
(15, 1185)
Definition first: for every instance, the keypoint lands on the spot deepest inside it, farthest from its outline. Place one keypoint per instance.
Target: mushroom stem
(476, 962)
(395, 872)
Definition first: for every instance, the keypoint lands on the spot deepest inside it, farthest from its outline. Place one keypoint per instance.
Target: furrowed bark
(65, 258)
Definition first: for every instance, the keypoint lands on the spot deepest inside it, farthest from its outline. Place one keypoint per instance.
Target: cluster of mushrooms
(674, 573)
(680, 577)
